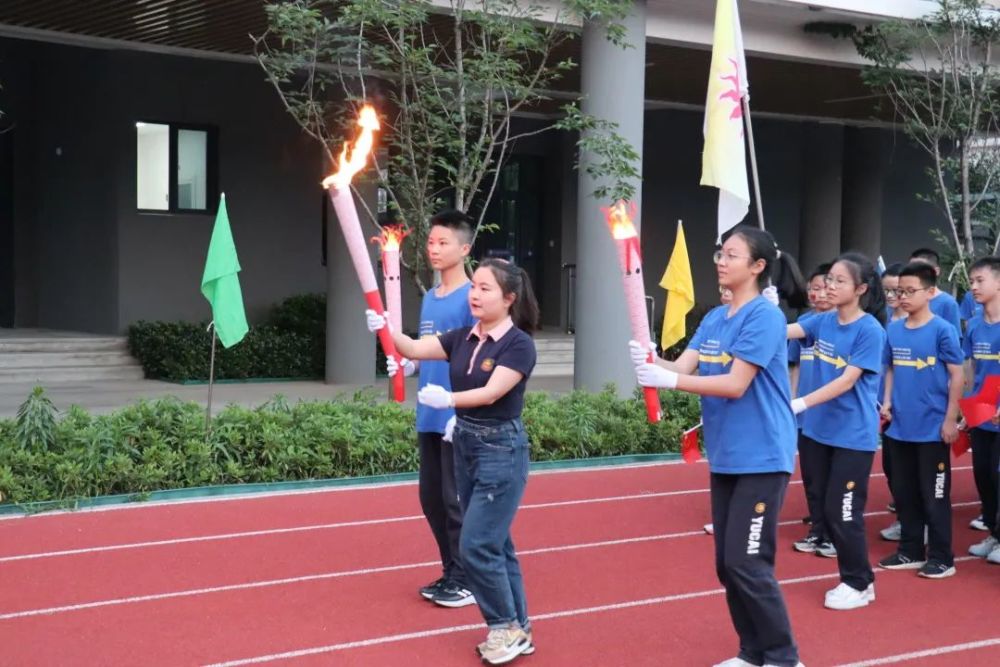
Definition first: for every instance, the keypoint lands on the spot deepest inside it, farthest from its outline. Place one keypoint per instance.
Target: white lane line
(263, 495)
(343, 524)
(46, 611)
(928, 653)
(388, 639)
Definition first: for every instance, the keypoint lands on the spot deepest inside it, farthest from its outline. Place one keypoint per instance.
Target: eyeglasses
(908, 292)
(720, 258)
(831, 281)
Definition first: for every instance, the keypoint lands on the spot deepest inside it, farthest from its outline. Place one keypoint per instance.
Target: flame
(619, 218)
(368, 121)
(391, 237)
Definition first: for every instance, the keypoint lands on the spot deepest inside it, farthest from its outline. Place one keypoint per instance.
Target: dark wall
(86, 259)
(269, 170)
(65, 171)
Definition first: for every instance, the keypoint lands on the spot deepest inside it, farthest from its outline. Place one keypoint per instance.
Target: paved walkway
(104, 397)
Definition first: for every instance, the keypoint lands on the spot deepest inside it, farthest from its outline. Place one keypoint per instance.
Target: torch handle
(651, 396)
(398, 389)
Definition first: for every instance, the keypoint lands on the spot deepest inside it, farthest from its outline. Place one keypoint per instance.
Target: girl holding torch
(741, 355)
(489, 366)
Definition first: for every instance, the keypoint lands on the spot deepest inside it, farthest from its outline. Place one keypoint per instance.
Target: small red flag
(976, 412)
(689, 446)
(961, 445)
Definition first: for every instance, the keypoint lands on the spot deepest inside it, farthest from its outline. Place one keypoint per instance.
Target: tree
(448, 85)
(938, 75)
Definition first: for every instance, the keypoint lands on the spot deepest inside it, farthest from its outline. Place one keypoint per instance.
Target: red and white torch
(390, 241)
(352, 160)
(626, 239)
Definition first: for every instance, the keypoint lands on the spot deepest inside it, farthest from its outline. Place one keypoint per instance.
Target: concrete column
(613, 86)
(350, 347)
(823, 157)
(864, 176)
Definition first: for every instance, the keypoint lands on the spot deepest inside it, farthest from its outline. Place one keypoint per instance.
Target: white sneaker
(734, 662)
(893, 533)
(994, 556)
(844, 597)
(978, 524)
(709, 528)
(984, 548)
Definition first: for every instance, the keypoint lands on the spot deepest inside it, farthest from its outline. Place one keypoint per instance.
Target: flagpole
(211, 380)
(753, 162)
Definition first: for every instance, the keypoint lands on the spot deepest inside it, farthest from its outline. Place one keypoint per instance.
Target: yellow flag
(723, 163)
(680, 291)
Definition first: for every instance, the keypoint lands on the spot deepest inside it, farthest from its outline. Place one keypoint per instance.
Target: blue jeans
(491, 470)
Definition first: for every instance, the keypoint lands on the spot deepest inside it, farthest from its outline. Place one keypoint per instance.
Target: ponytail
(863, 272)
(514, 280)
(781, 269)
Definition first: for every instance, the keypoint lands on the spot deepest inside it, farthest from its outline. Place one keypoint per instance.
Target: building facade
(93, 238)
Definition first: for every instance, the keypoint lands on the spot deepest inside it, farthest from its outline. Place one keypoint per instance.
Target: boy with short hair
(445, 307)
(982, 349)
(923, 384)
(942, 304)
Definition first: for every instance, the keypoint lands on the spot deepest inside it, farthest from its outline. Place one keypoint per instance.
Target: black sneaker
(826, 549)
(431, 589)
(453, 595)
(935, 569)
(898, 561)
(807, 545)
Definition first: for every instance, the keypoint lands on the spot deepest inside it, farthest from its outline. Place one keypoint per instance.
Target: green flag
(221, 285)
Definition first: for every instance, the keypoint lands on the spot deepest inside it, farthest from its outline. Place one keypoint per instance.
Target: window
(175, 168)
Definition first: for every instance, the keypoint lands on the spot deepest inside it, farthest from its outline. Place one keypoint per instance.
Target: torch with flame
(352, 160)
(626, 239)
(389, 240)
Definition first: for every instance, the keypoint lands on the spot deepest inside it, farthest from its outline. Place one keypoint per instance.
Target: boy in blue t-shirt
(982, 349)
(445, 307)
(923, 384)
(942, 304)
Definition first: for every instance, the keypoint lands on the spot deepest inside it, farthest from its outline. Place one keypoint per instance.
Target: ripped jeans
(491, 470)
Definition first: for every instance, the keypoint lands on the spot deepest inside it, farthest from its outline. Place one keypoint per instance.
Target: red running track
(617, 570)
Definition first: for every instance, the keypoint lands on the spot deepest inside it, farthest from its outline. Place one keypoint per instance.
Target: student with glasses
(923, 384)
(802, 365)
(741, 359)
(890, 281)
(842, 419)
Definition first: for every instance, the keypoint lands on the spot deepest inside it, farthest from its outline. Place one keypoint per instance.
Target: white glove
(651, 375)
(799, 405)
(436, 396)
(771, 294)
(376, 321)
(639, 352)
(392, 367)
(449, 429)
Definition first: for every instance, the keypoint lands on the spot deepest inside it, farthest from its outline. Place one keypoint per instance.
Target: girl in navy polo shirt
(842, 422)
(741, 356)
(489, 366)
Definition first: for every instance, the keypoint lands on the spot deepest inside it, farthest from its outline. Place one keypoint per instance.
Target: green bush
(181, 351)
(292, 343)
(163, 444)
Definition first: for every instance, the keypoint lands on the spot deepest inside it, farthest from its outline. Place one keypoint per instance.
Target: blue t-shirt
(944, 306)
(800, 352)
(969, 308)
(439, 314)
(982, 344)
(920, 359)
(756, 432)
(850, 420)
